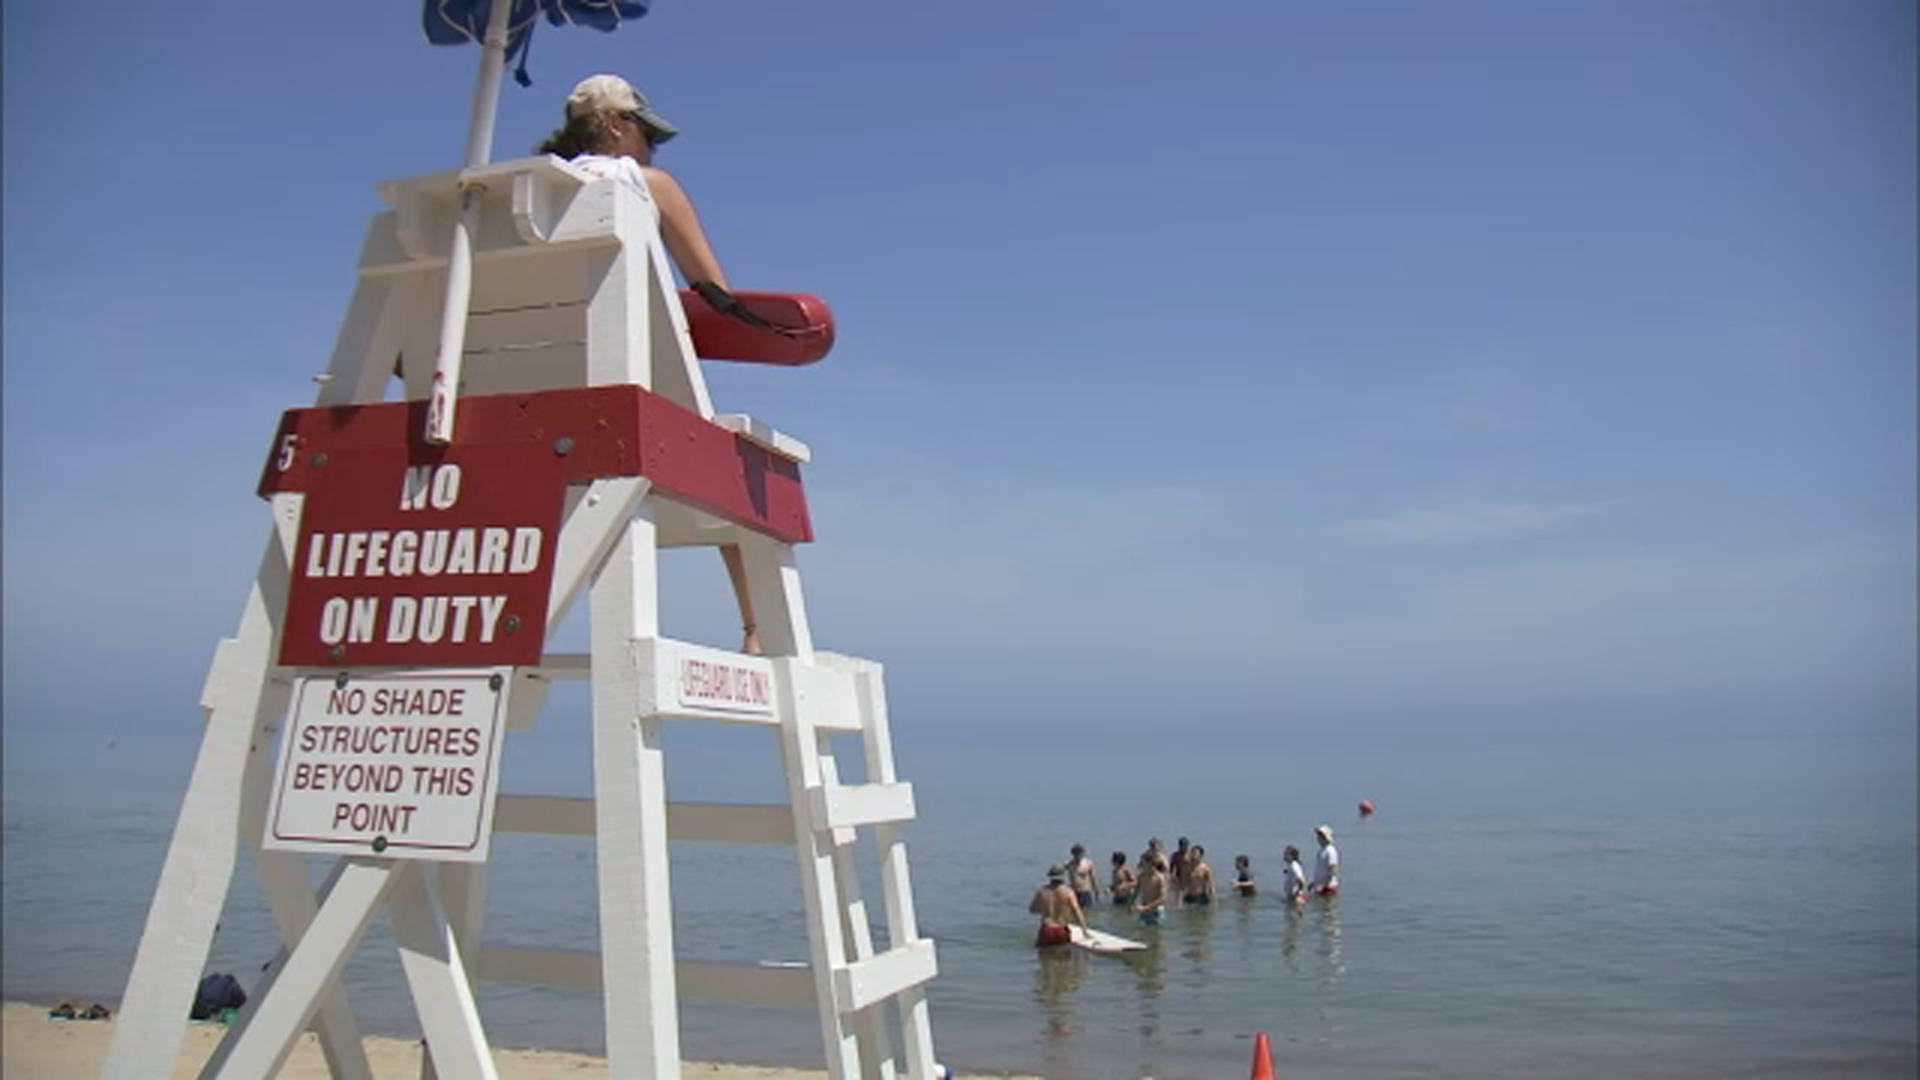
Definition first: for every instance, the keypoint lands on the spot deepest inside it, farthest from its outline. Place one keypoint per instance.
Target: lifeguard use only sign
(400, 764)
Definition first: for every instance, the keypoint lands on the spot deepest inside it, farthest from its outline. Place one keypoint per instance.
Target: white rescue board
(1102, 942)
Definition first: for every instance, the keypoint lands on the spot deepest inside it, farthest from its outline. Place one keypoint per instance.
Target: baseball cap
(611, 93)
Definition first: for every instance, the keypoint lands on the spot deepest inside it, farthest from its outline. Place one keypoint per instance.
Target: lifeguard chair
(397, 628)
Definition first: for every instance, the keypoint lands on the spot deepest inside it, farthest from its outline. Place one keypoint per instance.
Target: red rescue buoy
(1366, 807)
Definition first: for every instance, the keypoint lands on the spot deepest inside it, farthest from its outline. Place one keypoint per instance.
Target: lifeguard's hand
(729, 305)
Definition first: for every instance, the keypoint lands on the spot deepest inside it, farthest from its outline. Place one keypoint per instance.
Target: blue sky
(1397, 367)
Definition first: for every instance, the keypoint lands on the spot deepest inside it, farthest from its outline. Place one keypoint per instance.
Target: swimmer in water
(1083, 877)
(1243, 876)
(1056, 904)
(1150, 899)
(1293, 880)
(1198, 890)
(1326, 865)
(1123, 882)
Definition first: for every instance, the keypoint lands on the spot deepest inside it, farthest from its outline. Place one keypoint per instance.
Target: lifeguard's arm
(680, 228)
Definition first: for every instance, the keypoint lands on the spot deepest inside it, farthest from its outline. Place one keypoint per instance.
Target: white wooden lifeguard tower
(398, 624)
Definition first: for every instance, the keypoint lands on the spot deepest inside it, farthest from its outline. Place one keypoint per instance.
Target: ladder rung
(869, 982)
(562, 666)
(853, 805)
(782, 985)
(694, 823)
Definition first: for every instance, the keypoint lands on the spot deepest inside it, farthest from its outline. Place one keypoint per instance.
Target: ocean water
(1606, 905)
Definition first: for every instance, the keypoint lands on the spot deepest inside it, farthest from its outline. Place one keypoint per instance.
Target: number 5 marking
(287, 445)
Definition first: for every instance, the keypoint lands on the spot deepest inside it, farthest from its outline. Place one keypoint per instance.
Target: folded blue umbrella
(456, 22)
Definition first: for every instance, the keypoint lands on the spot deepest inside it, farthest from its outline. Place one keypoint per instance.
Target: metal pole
(444, 393)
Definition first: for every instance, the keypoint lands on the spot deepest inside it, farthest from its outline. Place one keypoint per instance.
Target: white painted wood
(871, 982)
(526, 326)
(524, 198)
(520, 369)
(547, 815)
(636, 909)
(526, 697)
(779, 985)
(617, 313)
(586, 537)
(773, 581)
(772, 983)
(851, 806)
(876, 1050)
(570, 969)
(284, 877)
(698, 682)
(729, 823)
(200, 859)
(462, 890)
(829, 692)
(758, 433)
(442, 996)
(693, 823)
(533, 210)
(895, 882)
(830, 697)
(259, 1041)
(676, 370)
(563, 666)
(371, 330)
(813, 851)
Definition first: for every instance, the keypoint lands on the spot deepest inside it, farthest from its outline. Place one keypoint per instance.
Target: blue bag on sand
(217, 991)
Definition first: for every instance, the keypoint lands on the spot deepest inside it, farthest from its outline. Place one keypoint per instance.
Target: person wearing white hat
(1326, 865)
(612, 132)
(608, 121)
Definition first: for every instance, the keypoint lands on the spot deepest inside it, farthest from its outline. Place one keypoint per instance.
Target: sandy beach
(34, 1046)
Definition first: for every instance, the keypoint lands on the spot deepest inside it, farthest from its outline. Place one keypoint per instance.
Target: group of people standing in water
(1161, 878)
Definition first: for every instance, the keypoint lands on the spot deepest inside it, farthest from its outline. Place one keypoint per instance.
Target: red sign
(424, 557)
(411, 555)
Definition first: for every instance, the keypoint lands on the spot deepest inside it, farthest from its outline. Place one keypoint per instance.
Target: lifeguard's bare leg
(737, 575)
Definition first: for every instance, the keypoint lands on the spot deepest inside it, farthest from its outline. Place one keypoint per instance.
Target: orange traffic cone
(1262, 1058)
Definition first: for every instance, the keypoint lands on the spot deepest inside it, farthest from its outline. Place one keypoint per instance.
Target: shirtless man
(1083, 876)
(1056, 904)
(1178, 864)
(1150, 898)
(1198, 888)
(1124, 880)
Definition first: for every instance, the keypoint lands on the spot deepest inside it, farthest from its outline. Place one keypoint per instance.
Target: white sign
(709, 679)
(404, 765)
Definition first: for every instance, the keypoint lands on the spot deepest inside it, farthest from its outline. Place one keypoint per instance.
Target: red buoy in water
(1366, 807)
